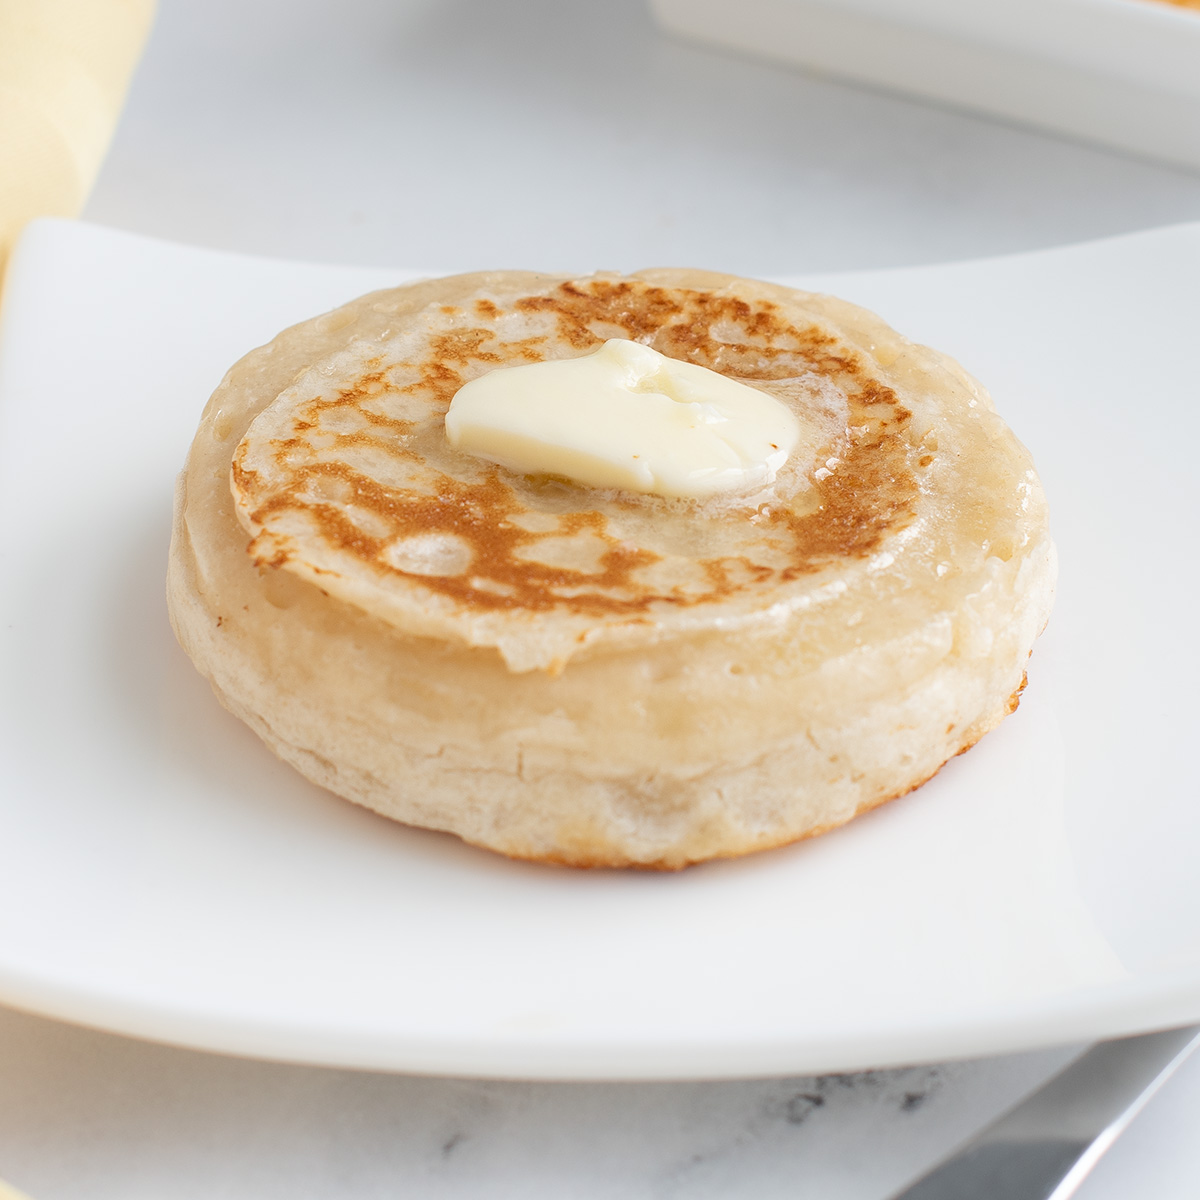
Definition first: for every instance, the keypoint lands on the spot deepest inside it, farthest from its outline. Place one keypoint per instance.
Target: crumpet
(599, 677)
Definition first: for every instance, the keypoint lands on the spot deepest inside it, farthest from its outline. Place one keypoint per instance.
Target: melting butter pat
(628, 417)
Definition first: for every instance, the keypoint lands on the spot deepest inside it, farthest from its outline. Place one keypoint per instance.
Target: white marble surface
(569, 133)
(456, 134)
(90, 1116)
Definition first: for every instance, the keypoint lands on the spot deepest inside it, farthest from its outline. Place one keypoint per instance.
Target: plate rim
(1152, 1000)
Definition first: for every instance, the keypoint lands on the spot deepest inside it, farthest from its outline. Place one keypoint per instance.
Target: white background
(459, 134)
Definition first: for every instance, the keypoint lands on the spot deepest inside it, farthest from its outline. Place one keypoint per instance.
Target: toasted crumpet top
(347, 480)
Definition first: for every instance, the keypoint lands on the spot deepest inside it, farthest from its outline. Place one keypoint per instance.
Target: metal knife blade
(1044, 1147)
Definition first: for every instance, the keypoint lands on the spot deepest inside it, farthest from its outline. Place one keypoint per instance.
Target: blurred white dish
(162, 875)
(1125, 73)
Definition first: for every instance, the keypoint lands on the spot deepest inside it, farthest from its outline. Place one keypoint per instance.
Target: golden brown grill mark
(462, 345)
(371, 386)
(872, 490)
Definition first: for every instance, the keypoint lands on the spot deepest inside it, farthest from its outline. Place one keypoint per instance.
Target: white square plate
(161, 874)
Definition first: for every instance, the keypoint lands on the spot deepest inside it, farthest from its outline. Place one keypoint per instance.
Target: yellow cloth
(64, 68)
